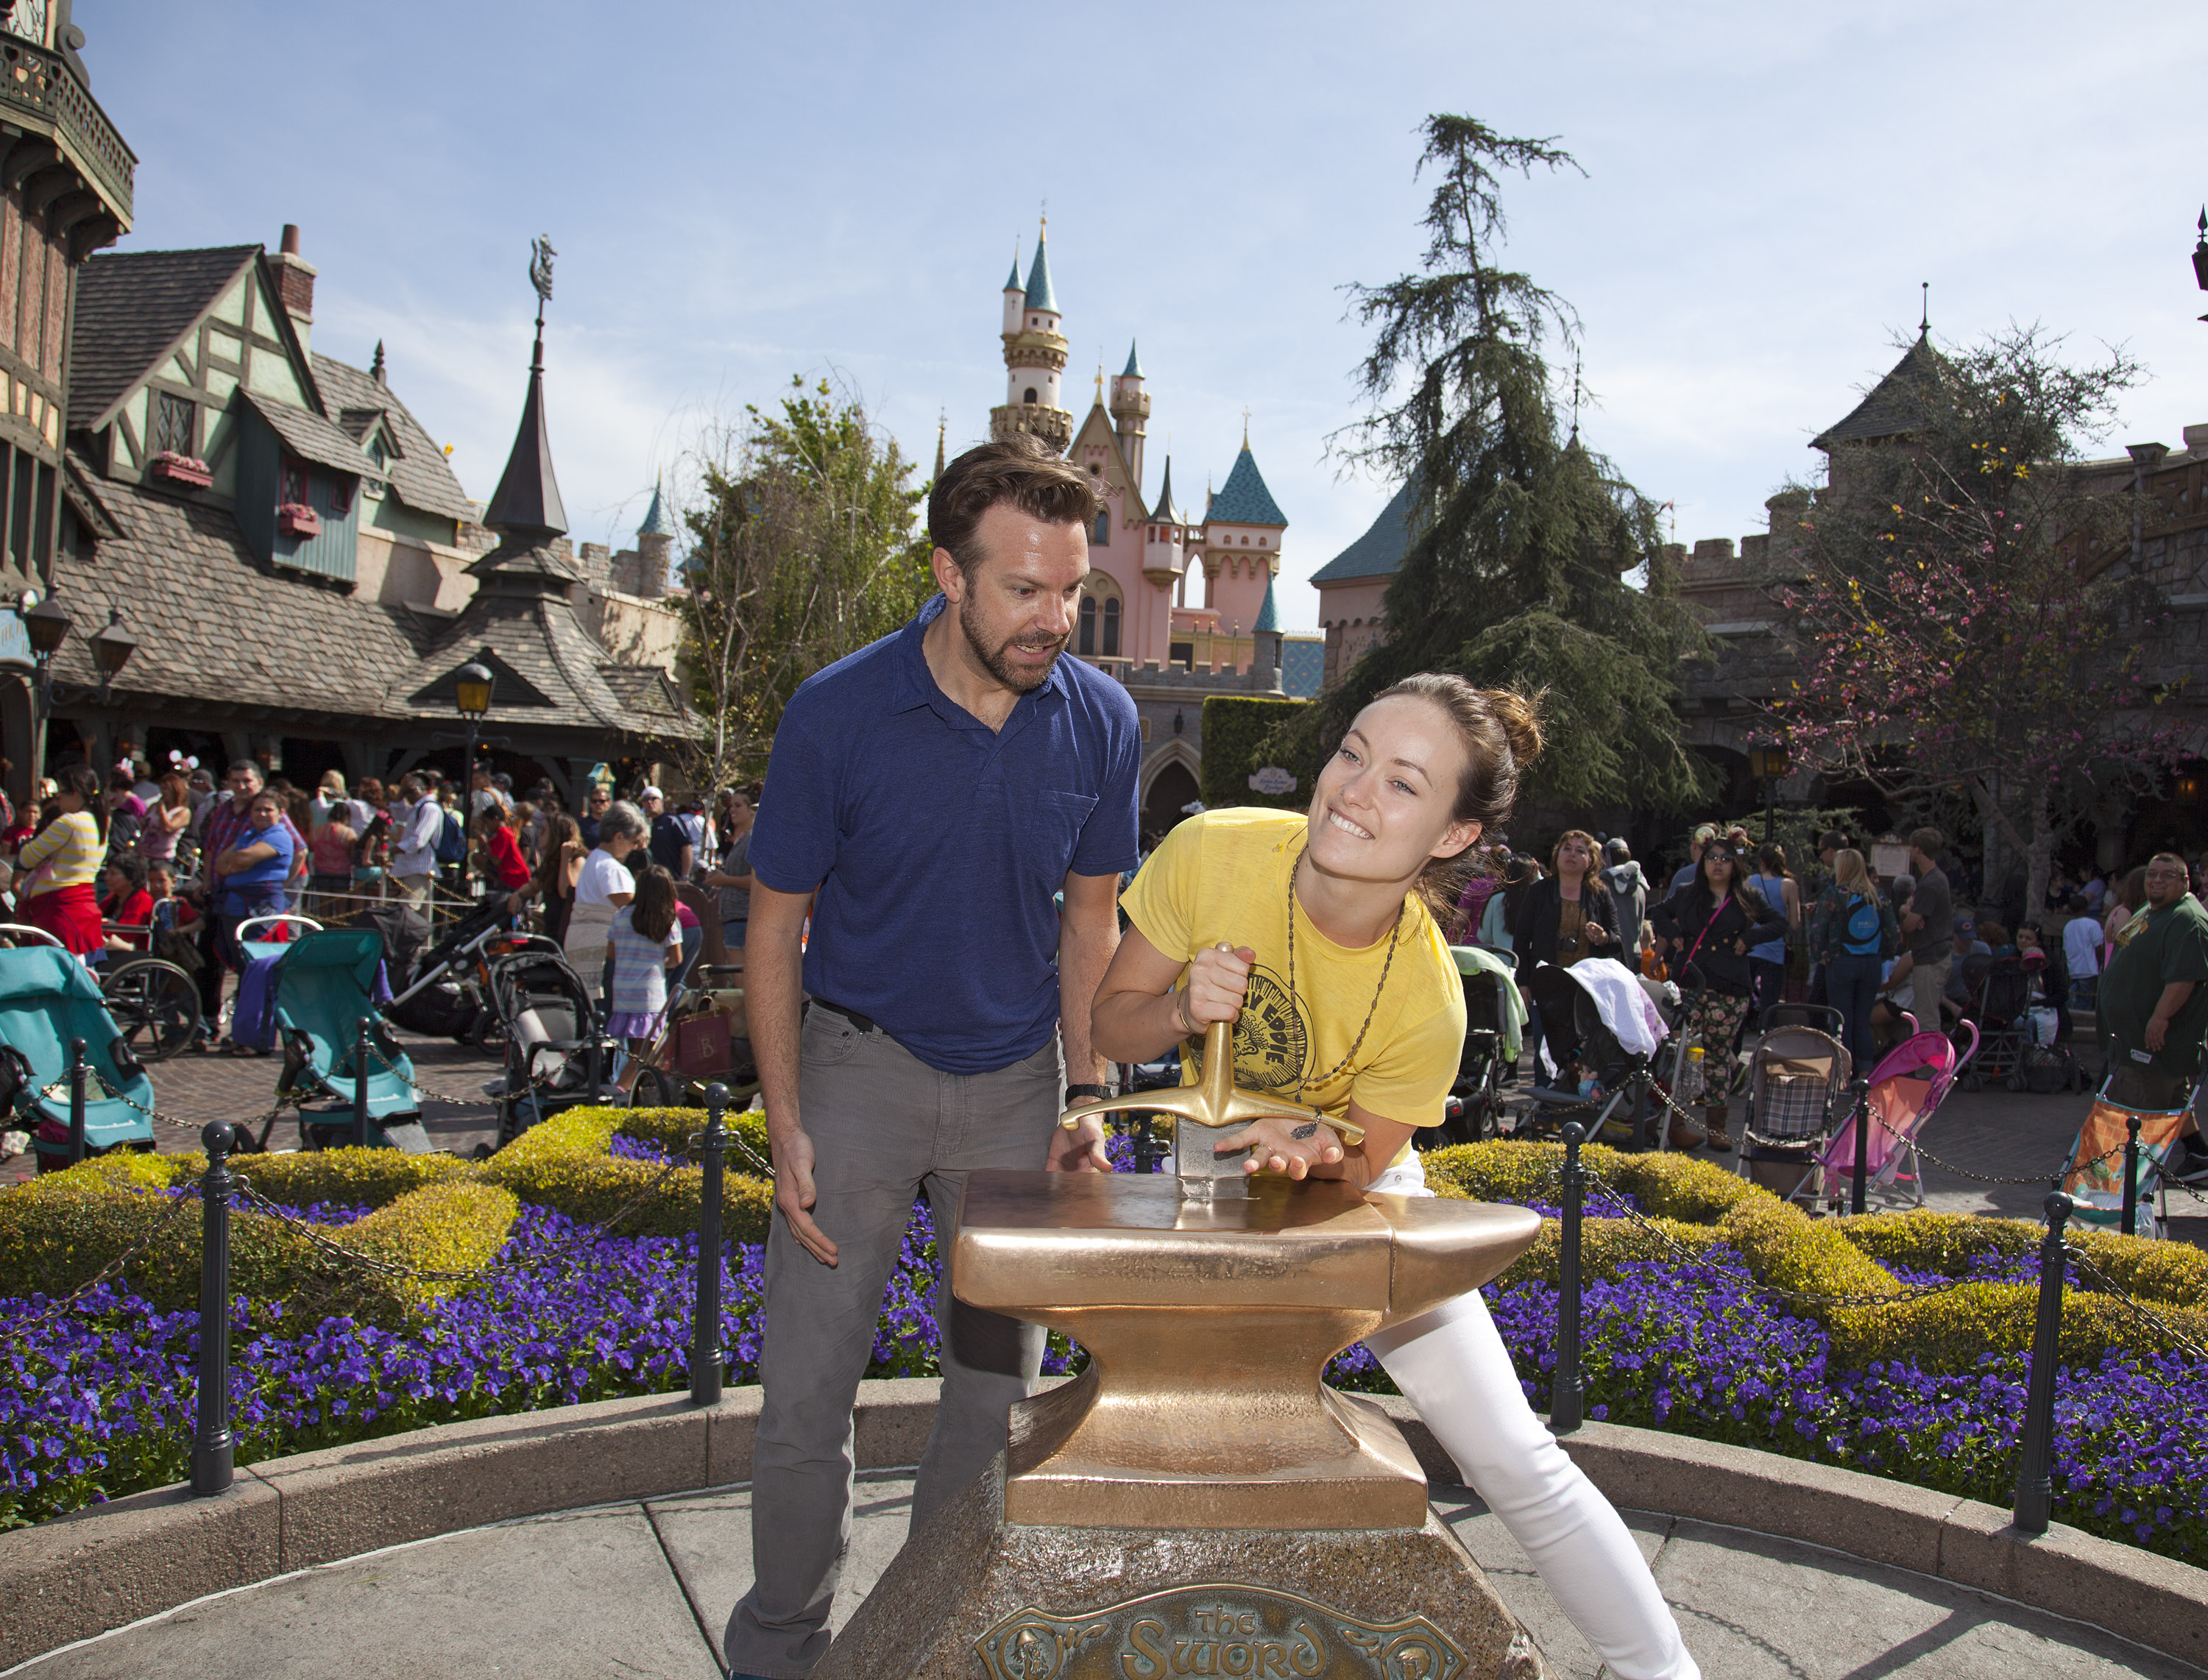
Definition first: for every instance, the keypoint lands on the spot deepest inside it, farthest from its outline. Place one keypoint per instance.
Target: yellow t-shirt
(1224, 876)
(70, 848)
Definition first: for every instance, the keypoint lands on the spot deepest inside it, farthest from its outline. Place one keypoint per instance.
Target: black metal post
(2131, 1175)
(210, 1442)
(76, 1078)
(1567, 1393)
(1639, 1086)
(1864, 1121)
(360, 1088)
(1770, 809)
(705, 1318)
(2035, 1487)
(591, 1060)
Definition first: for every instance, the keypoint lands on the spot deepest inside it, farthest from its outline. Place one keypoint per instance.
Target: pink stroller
(1909, 1083)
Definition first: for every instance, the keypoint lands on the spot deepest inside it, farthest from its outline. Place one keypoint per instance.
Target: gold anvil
(1214, 1100)
(1209, 1325)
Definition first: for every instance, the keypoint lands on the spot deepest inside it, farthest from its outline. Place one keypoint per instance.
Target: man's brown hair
(1928, 841)
(1019, 473)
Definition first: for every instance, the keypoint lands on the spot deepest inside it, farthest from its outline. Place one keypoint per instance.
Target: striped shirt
(69, 847)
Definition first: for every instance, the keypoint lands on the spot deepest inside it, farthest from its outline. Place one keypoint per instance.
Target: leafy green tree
(1516, 574)
(802, 548)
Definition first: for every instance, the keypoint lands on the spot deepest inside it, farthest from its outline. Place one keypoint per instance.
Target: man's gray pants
(883, 1125)
(1927, 981)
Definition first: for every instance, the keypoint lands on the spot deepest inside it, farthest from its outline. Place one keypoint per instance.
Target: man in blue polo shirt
(928, 798)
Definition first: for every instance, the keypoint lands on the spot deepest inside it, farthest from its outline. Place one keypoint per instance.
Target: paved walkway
(200, 1089)
(645, 1589)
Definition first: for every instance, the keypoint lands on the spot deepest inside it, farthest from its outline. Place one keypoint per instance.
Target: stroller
(703, 1038)
(1999, 1009)
(1611, 1076)
(1909, 1083)
(324, 990)
(47, 997)
(1796, 1080)
(1494, 1024)
(2095, 1176)
(555, 1056)
(444, 994)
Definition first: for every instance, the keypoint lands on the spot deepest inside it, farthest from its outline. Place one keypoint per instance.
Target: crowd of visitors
(1915, 946)
(95, 865)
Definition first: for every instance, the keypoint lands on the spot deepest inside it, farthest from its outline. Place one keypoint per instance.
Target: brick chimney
(294, 284)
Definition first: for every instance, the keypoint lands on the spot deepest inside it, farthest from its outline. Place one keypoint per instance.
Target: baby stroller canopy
(47, 997)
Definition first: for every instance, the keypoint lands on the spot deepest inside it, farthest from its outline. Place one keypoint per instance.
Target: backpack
(1860, 934)
(452, 839)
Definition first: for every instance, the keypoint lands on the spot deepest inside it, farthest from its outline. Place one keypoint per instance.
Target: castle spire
(527, 499)
(1039, 295)
(942, 421)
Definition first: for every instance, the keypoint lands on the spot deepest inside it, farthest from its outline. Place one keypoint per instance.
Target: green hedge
(1700, 1206)
(431, 1213)
(60, 1229)
(1234, 731)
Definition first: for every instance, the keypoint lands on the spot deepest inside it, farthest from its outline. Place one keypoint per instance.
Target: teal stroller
(47, 999)
(325, 988)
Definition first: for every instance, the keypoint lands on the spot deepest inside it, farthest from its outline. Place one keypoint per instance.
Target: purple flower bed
(100, 1403)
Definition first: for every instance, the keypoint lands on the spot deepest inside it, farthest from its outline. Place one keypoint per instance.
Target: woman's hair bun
(1519, 715)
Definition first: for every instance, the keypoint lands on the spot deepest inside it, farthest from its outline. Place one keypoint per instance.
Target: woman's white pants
(1452, 1365)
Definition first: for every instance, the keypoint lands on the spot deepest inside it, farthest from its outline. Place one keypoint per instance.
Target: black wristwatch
(1083, 1093)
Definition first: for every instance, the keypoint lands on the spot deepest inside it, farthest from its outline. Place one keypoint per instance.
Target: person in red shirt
(505, 869)
(126, 904)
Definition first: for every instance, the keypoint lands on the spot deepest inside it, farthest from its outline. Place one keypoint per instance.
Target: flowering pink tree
(1957, 634)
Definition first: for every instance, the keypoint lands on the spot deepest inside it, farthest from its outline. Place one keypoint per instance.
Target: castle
(1135, 619)
(1135, 609)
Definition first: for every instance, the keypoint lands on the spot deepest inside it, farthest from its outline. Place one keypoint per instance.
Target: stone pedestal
(1199, 1503)
(974, 1597)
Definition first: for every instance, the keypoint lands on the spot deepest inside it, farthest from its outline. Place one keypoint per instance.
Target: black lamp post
(112, 650)
(471, 687)
(1770, 766)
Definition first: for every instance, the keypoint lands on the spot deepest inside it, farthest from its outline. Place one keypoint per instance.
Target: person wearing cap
(1685, 875)
(1955, 997)
(677, 837)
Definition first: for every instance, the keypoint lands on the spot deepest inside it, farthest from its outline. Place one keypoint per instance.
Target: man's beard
(1019, 681)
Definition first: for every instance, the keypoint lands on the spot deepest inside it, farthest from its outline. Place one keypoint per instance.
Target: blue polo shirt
(939, 844)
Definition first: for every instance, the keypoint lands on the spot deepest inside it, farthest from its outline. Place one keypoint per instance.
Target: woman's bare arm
(1137, 1016)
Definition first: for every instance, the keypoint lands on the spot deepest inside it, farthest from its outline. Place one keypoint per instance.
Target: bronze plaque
(1244, 1633)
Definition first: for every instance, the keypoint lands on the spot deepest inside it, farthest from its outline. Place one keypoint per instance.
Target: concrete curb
(110, 1565)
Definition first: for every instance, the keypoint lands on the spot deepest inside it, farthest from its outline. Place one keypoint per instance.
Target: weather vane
(540, 266)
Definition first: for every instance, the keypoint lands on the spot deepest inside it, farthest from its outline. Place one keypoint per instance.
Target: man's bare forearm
(774, 996)
(1086, 940)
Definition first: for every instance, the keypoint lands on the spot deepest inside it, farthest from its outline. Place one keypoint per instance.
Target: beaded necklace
(1394, 934)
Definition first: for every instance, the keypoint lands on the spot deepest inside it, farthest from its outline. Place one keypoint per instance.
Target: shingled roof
(1895, 406)
(1243, 499)
(211, 621)
(131, 306)
(1379, 552)
(419, 471)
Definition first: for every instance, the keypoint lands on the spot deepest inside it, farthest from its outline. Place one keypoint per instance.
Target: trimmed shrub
(563, 1164)
(1235, 729)
(1700, 1206)
(370, 1178)
(59, 1230)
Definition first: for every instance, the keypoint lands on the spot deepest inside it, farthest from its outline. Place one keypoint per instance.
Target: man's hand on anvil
(1080, 1149)
(1280, 1144)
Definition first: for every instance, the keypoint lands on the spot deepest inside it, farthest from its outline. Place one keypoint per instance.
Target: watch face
(28, 19)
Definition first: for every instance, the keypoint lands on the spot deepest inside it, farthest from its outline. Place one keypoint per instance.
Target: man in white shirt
(2081, 941)
(416, 822)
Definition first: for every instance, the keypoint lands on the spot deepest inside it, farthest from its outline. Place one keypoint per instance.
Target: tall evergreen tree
(1521, 539)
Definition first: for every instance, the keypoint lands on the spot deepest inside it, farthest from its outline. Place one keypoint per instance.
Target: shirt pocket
(1052, 824)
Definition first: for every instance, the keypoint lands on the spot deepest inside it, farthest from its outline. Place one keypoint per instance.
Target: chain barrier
(155, 1115)
(185, 1197)
(2138, 1310)
(764, 1169)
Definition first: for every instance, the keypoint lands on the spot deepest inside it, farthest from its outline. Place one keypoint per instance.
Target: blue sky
(741, 192)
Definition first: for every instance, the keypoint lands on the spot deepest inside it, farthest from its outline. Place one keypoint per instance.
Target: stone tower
(1035, 358)
(1130, 413)
(653, 538)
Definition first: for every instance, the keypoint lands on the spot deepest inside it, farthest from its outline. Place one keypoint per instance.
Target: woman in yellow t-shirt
(60, 864)
(1345, 999)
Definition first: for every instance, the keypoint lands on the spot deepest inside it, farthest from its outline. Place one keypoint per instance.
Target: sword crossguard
(1214, 1100)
